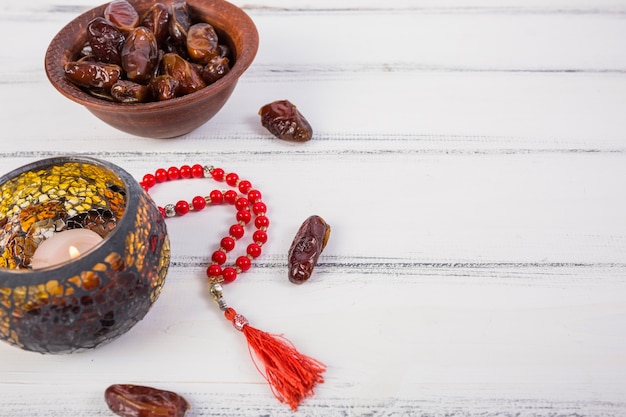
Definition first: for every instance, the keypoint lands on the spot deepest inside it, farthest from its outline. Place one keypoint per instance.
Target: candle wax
(64, 246)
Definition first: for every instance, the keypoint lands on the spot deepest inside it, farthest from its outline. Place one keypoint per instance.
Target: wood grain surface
(470, 157)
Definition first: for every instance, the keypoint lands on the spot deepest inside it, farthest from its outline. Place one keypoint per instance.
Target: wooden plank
(553, 6)
(423, 113)
(413, 40)
(438, 346)
(543, 42)
(528, 209)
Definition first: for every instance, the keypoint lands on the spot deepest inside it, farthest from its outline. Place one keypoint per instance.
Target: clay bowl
(170, 118)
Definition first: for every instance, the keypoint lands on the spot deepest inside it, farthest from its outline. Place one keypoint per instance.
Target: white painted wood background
(471, 159)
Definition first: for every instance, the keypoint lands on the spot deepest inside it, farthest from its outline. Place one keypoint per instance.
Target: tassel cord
(291, 375)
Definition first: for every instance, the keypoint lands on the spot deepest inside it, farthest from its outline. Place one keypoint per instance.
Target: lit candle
(63, 247)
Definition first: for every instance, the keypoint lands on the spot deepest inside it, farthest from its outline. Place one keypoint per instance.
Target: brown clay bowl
(170, 118)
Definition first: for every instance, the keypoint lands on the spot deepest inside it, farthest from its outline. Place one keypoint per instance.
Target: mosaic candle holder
(98, 296)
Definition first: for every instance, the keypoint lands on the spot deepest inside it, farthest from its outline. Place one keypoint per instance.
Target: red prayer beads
(291, 374)
(246, 201)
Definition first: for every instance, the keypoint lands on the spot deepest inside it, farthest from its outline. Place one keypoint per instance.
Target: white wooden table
(471, 159)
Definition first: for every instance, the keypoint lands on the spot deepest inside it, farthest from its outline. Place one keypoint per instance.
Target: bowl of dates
(151, 68)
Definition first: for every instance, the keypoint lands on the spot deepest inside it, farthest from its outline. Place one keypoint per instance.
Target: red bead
(198, 203)
(160, 175)
(259, 236)
(254, 196)
(229, 274)
(236, 231)
(216, 197)
(242, 203)
(162, 211)
(149, 180)
(258, 208)
(261, 222)
(173, 173)
(244, 216)
(244, 186)
(197, 171)
(219, 257)
(182, 207)
(231, 179)
(243, 263)
(254, 250)
(214, 270)
(144, 186)
(230, 196)
(218, 174)
(185, 171)
(227, 243)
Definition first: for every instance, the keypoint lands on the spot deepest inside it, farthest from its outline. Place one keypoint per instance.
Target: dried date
(285, 121)
(308, 244)
(126, 91)
(105, 41)
(94, 75)
(122, 14)
(180, 21)
(174, 47)
(140, 55)
(164, 87)
(215, 69)
(202, 43)
(129, 400)
(157, 20)
(186, 74)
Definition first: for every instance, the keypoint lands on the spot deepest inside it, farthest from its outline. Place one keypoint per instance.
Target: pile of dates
(158, 56)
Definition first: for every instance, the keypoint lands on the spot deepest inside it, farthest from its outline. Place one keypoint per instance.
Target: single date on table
(305, 250)
(128, 400)
(285, 121)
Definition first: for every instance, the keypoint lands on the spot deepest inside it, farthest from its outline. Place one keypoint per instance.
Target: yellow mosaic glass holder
(98, 296)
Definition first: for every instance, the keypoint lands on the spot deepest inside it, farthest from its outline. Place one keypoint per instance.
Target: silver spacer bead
(170, 210)
(207, 170)
(216, 291)
(222, 304)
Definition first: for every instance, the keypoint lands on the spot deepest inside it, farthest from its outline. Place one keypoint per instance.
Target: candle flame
(74, 252)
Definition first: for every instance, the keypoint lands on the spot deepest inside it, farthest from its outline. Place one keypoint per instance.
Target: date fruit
(126, 91)
(187, 76)
(180, 21)
(122, 14)
(140, 55)
(202, 43)
(157, 20)
(284, 121)
(98, 76)
(307, 245)
(164, 87)
(215, 69)
(129, 400)
(106, 41)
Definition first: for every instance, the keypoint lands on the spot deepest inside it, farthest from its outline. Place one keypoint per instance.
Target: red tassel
(291, 375)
